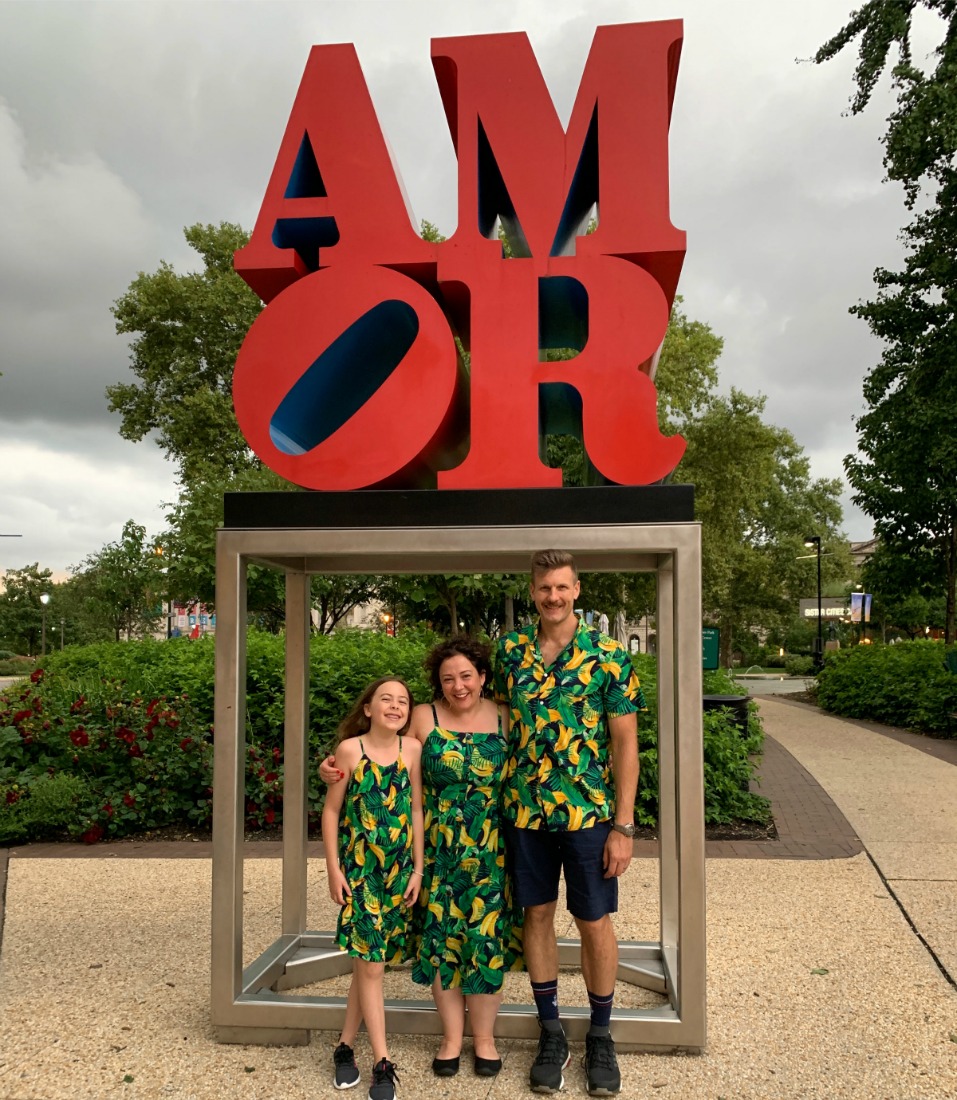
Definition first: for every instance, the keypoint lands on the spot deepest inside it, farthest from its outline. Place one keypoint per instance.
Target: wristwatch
(625, 830)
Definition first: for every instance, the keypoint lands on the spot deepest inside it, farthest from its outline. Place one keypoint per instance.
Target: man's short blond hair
(544, 561)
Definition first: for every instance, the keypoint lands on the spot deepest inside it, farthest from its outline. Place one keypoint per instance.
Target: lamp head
(812, 540)
(45, 598)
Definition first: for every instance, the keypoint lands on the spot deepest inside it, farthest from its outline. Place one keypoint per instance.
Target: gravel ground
(104, 977)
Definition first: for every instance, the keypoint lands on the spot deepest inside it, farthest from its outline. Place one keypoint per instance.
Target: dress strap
(435, 717)
(361, 747)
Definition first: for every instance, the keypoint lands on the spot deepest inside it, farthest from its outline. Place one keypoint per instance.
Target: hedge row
(907, 684)
(113, 739)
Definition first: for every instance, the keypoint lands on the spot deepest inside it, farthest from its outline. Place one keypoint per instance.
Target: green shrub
(111, 691)
(141, 763)
(16, 666)
(43, 807)
(728, 766)
(132, 723)
(904, 685)
(796, 665)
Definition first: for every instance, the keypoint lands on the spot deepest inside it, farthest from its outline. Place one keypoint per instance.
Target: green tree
(124, 584)
(189, 552)
(22, 611)
(187, 330)
(921, 137)
(756, 502)
(905, 472)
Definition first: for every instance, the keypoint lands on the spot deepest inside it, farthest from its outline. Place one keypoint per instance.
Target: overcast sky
(121, 123)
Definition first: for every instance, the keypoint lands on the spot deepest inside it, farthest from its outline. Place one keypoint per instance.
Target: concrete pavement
(901, 802)
(827, 977)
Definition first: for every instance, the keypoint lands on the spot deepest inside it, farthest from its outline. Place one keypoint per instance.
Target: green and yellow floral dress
(470, 928)
(375, 854)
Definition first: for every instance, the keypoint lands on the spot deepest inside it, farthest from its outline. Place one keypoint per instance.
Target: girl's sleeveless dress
(375, 854)
(470, 928)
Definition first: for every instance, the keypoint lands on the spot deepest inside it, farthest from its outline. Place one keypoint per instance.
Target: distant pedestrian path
(899, 793)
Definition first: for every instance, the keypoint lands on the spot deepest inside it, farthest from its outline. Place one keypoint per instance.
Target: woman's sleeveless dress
(375, 854)
(470, 928)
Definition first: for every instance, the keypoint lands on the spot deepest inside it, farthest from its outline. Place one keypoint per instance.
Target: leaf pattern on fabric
(375, 853)
(558, 774)
(470, 930)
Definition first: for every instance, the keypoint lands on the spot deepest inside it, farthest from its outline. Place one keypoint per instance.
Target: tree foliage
(921, 136)
(187, 331)
(756, 503)
(905, 472)
(125, 583)
(21, 610)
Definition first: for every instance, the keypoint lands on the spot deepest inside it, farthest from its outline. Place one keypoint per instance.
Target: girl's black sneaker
(384, 1080)
(347, 1072)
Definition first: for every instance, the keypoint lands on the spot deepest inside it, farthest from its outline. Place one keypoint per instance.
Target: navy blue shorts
(538, 857)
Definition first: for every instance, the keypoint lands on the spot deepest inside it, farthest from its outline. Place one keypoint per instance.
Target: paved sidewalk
(899, 793)
(824, 954)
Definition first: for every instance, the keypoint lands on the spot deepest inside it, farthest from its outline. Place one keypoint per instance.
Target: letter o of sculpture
(347, 378)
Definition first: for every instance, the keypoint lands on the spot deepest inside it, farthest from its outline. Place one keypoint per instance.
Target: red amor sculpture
(350, 378)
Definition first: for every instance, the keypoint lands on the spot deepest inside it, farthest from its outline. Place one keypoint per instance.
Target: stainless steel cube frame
(258, 1004)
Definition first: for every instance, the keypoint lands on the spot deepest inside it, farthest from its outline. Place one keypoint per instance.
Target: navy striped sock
(600, 1009)
(546, 999)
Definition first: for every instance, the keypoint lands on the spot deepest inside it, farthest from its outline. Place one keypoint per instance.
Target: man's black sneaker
(601, 1066)
(384, 1080)
(552, 1058)
(347, 1072)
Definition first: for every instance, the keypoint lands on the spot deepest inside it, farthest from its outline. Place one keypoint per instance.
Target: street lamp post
(44, 599)
(815, 542)
(62, 628)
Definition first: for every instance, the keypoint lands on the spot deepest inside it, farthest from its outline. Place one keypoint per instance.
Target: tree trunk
(509, 614)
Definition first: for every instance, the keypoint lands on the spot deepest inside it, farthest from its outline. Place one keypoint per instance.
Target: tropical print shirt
(559, 770)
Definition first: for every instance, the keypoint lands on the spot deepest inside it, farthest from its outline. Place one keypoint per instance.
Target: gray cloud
(122, 123)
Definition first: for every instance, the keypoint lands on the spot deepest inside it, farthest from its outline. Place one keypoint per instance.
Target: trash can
(736, 704)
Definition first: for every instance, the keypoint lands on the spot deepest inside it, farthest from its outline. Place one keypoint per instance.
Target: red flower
(269, 816)
(36, 676)
(134, 750)
(123, 733)
(185, 743)
(13, 796)
(108, 810)
(276, 754)
(129, 800)
(151, 706)
(78, 704)
(172, 722)
(79, 737)
(93, 834)
(271, 777)
(151, 724)
(21, 716)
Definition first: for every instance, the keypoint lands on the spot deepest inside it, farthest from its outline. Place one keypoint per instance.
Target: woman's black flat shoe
(446, 1067)
(487, 1067)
